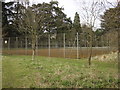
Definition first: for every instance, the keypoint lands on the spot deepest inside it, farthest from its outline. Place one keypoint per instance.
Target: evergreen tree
(111, 23)
(77, 24)
(110, 19)
(7, 15)
(76, 28)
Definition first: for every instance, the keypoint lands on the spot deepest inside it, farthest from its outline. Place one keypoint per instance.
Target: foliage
(110, 19)
(111, 24)
(7, 15)
(77, 24)
(36, 20)
(51, 18)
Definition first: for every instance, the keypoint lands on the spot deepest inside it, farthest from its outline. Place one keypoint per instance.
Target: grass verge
(44, 72)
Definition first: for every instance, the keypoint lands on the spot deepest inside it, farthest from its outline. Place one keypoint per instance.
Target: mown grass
(44, 72)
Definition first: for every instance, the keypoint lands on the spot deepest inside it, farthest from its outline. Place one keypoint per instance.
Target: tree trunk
(33, 47)
(89, 60)
(33, 54)
(90, 56)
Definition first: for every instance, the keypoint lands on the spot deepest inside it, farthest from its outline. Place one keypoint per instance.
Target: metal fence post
(21, 44)
(16, 47)
(1, 46)
(36, 45)
(77, 47)
(101, 43)
(64, 44)
(9, 43)
(49, 45)
(16, 42)
(26, 45)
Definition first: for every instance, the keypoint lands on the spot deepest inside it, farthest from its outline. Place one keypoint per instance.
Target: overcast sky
(71, 6)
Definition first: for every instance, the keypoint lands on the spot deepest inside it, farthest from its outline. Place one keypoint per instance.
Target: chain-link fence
(60, 45)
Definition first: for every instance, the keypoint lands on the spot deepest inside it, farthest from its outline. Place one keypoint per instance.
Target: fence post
(64, 43)
(109, 44)
(9, 43)
(16, 42)
(26, 45)
(21, 44)
(101, 45)
(1, 45)
(36, 45)
(16, 47)
(77, 47)
(95, 41)
(49, 45)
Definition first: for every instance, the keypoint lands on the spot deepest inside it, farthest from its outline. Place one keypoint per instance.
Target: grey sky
(71, 6)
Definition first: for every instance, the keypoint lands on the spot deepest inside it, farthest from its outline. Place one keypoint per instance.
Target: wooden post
(64, 44)
(77, 46)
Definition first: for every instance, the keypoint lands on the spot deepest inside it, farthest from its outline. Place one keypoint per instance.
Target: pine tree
(77, 24)
(7, 14)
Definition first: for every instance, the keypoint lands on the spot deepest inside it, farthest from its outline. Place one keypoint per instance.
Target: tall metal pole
(21, 44)
(77, 46)
(9, 43)
(64, 43)
(49, 45)
(109, 42)
(95, 41)
(16, 42)
(26, 45)
(102, 44)
(36, 45)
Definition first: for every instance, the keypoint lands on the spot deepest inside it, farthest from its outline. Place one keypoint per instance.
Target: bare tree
(91, 14)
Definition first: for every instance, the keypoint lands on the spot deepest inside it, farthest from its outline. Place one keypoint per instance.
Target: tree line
(37, 20)
(50, 18)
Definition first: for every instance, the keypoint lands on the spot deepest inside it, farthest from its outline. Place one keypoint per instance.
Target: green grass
(44, 72)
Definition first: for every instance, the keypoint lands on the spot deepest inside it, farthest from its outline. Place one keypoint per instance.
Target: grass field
(22, 72)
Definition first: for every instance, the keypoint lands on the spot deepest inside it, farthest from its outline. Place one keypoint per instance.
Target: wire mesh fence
(59, 45)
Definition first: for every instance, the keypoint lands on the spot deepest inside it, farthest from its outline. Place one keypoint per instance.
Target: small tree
(30, 23)
(41, 18)
(90, 14)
